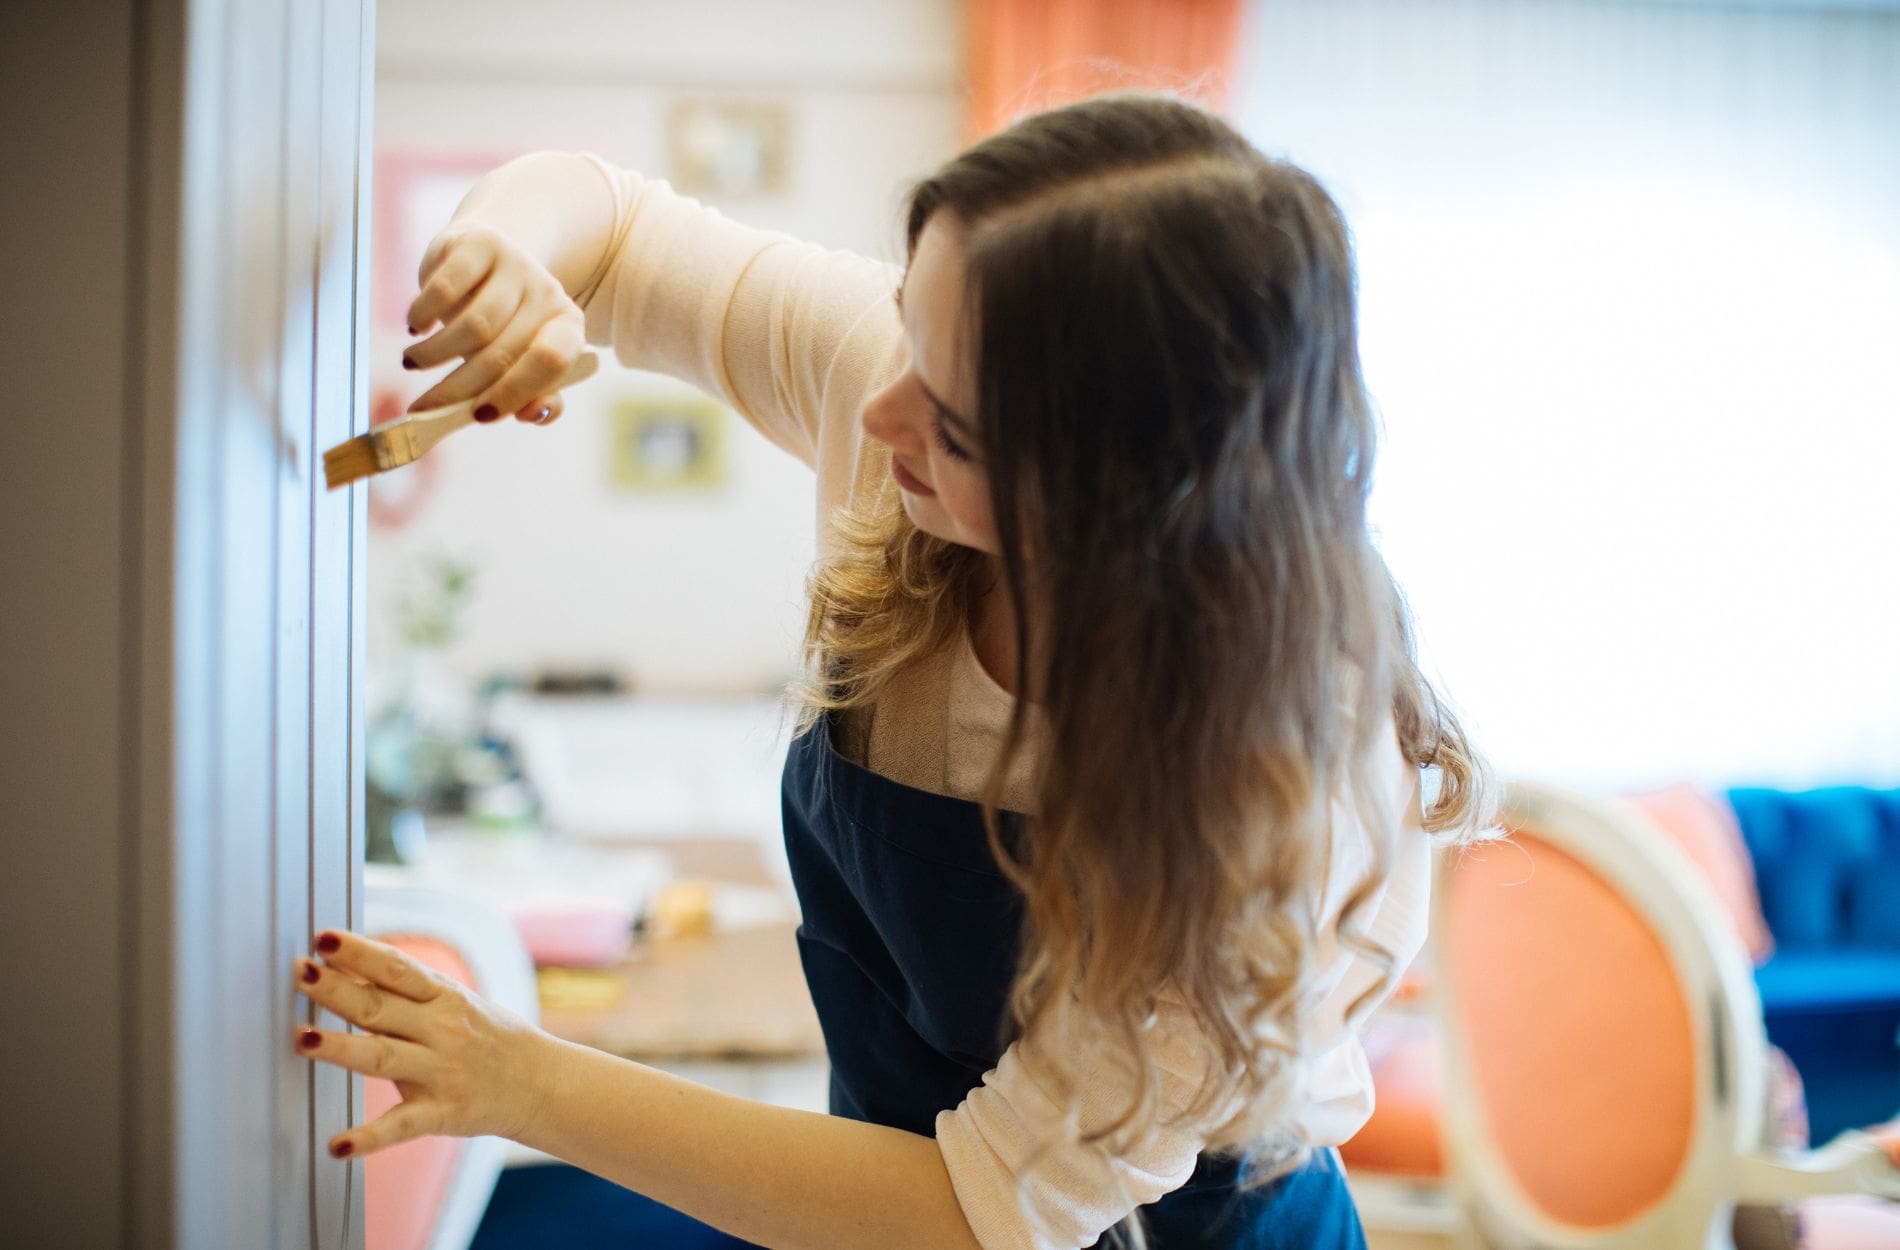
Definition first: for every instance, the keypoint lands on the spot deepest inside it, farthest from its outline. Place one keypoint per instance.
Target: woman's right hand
(508, 319)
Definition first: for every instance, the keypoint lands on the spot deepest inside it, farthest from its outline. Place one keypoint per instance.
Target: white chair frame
(1723, 1165)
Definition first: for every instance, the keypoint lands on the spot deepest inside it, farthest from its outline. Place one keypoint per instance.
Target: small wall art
(728, 148)
(669, 445)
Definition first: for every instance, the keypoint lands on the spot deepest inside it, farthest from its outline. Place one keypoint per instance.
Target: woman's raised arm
(791, 334)
(555, 250)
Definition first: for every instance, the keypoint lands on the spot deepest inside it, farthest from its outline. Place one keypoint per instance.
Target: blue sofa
(1827, 866)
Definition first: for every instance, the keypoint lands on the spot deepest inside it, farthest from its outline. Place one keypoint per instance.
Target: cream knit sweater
(794, 337)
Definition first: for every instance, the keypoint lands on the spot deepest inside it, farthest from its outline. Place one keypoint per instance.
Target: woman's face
(927, 413)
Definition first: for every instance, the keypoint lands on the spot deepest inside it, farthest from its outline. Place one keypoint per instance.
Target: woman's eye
(943, 440)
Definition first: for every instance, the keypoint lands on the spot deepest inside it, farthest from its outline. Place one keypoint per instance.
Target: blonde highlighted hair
(1172, 418)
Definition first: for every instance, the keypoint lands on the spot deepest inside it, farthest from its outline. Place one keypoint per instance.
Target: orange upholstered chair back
(1577, 1031)
(1605, 1064)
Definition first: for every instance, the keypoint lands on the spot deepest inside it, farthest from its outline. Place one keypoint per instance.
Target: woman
(1105, 814)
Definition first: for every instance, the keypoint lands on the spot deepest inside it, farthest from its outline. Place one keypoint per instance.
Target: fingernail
(409, 364)
(310, 974)
(341, 1148)
(413, 330)
(543, 415)
(309, 1039)
(486, 413)
(329, 943)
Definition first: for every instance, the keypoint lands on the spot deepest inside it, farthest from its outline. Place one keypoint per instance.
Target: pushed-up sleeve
(792, 335)
(1339, 1096)
(1075, 1193)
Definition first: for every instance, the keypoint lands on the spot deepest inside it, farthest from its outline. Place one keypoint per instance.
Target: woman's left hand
(464, 1066)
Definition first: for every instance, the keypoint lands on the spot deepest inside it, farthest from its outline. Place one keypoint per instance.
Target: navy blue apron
(909, 944)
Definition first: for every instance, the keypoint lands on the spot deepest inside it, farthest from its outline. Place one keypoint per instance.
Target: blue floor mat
(557, 1207)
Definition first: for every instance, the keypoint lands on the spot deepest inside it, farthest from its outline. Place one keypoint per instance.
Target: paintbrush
(396, 443)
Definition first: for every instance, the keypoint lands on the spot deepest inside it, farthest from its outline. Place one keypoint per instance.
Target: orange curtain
(1026, 55)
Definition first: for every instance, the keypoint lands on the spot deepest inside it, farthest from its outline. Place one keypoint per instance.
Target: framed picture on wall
(669, 445)
(724, 149)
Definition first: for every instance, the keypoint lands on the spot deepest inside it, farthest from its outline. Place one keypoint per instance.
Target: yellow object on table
(579, 989)
(717, 994)
(683, 909)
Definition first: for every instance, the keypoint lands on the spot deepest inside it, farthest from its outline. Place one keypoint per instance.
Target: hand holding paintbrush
(396, 443)
(512, 320)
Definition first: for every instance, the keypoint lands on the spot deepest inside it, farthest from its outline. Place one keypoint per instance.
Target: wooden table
(722, 994)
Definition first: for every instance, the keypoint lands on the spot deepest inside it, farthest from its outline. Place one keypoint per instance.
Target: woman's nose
(883, 418)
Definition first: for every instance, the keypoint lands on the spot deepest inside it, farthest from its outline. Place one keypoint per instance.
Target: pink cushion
(1849, 1223)
(404, 1186)
(575, 936)
(1704, 829)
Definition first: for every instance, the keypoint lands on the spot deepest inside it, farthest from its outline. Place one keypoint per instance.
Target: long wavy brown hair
(1173, 420)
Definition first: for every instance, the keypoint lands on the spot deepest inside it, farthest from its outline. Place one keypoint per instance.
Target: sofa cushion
(1703, 827)
(1827, 862)
(1840, 979)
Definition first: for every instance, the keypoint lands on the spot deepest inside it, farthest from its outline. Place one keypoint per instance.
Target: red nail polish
(486, 412)
(408, 363)
(413, 330)
(329, 943)
(310, 974)
(341, 1149)
(309, 1039)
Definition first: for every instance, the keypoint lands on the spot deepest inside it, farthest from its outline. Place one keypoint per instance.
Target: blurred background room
(1630, 290)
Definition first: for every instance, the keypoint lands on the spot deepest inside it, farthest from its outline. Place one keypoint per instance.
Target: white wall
(1631, 295)
(1630, 282)
(682, 594)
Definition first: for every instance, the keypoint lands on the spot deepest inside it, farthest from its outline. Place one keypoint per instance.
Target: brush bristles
(349, 461)
(389, 447)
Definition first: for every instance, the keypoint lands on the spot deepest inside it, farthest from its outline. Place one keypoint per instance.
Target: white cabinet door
(184, 278)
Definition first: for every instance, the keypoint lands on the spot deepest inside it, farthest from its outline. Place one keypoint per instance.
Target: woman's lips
(907, 479)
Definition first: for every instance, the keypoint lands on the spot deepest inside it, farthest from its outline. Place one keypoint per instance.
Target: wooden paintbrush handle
(432, 425)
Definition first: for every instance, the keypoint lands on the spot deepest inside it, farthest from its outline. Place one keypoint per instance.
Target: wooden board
(723, 994)
(727, 993)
